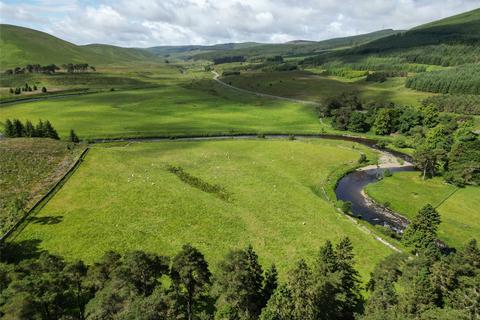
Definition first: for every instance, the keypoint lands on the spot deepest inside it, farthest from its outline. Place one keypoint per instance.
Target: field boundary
(47, 195)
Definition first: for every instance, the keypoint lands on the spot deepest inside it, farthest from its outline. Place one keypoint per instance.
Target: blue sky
(143, 23)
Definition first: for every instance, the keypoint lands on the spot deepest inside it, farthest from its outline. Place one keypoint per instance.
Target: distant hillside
(20, 46)
(187, 51)
(451, 41)
(298, 47)
(463, 28)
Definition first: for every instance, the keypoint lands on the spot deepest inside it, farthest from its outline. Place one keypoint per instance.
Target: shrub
(363, 158)
(345, 206)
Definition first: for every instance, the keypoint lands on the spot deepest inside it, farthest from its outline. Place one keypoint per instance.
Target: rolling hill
(451, 41)
(298, 47)
(459, 29)
(21, 46)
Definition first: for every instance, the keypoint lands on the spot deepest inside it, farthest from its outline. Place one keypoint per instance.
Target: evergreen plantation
(458, 80)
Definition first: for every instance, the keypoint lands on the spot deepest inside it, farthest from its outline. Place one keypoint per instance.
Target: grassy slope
(309, 86)
(123, 198)
(21, 46)
(460, 28)
(29, 167)
(131, 75)
(407, 193)
(176, 109)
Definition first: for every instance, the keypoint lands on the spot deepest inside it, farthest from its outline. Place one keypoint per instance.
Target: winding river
(351, 188)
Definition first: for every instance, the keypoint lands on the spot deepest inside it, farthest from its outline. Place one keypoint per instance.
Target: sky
(146, 23)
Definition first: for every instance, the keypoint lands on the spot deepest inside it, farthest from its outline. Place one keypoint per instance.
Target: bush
(381, 144)
(44, 90)
(345, 206)
(400, 143)
(363, 158)
(387, 173)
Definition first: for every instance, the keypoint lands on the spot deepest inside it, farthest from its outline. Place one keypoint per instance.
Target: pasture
(307, 85)
(198, 108)
(406, 193)
(125, 196)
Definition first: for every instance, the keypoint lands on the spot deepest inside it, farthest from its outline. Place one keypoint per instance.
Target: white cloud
(163, 22)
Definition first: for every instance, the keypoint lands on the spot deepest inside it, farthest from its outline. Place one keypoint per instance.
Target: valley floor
(124, 197)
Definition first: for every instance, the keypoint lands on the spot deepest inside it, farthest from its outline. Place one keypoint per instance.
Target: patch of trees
(16, 129)
(344, 72)
(229, 59)
(451, 149)
(444, 144)
(285, 67)
(144, 286)
(26, 88)
(274, 59)
(33, 68)
(230, 73)
(462, 104)
(381, 76)
(51, 68)
(79, 67)
(459, 80)
(443, 54)
(391, 64)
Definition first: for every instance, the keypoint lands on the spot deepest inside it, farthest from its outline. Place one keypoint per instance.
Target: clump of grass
(198, 183)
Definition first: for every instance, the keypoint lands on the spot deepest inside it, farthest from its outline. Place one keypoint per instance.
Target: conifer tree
(29, 129)
(73, 137)
(191, 277)
(19, 129)
(9, 129)
(422, 230)
(240, 284)
(40, 129)
(49, 131)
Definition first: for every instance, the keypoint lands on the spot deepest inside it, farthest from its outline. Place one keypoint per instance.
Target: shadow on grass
(14, 252)
(47, 220)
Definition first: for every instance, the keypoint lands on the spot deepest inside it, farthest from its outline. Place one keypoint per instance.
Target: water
(350, 188)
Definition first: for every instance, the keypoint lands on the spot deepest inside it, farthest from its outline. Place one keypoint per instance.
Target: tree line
(461, 104)
(459, 80)
(444, 144)
(229, 59)
(26, 88)
(141, 285)
(51, 68)
(16, 129)
(442, 54)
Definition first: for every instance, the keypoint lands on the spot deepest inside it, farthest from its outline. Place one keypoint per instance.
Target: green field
(182, 109)
(123, 198)
(313, 87)
(406, 193)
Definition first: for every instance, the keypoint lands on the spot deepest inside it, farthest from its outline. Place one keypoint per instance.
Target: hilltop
(21, 46)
